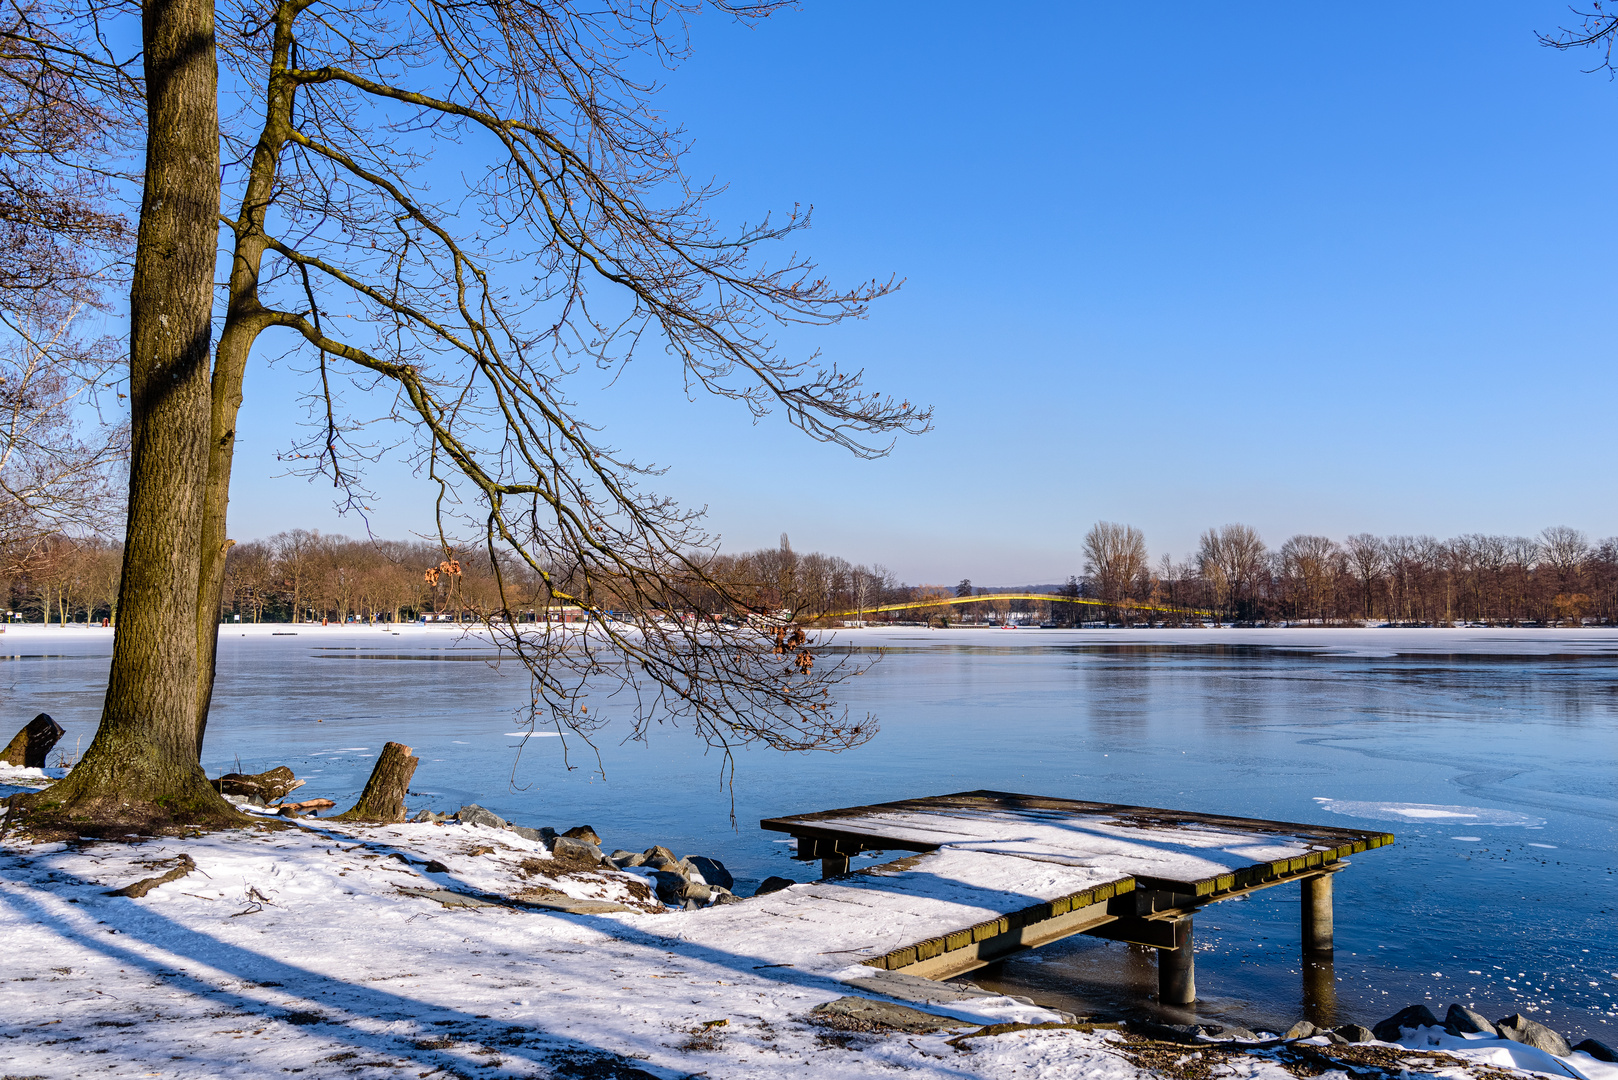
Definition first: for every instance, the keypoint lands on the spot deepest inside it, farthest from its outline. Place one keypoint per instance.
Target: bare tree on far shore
(1231, 558)
(1114, 559)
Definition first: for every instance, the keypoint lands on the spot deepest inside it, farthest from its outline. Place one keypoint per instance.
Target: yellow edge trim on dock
(960, 939)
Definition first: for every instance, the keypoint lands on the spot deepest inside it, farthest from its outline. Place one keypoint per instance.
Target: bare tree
(1231, 558)
(576, 179)
(1565, 549)
(61, 239)
(1367, 558)
(1308, 563)
(1114, 558)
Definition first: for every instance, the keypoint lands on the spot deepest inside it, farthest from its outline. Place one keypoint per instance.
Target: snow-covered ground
(310, 948)
(301, 950)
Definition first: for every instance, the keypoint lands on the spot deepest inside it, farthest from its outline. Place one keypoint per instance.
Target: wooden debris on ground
(308, 806)
(270, 786)
(184, 864)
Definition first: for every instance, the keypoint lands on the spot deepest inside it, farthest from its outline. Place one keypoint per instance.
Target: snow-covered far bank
(1324, 640)
(325, 949)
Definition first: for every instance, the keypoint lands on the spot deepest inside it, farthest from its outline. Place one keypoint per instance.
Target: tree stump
(383, 798)
(30, 745)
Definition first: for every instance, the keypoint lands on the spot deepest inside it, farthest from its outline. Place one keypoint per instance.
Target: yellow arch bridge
(1051, 598)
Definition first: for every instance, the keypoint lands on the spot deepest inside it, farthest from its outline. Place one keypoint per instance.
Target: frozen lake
(1492, 754)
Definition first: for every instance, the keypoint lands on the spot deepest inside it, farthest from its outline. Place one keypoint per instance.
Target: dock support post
(833, 866)
(1317, 920)
(1320, 991)
(1177, 973)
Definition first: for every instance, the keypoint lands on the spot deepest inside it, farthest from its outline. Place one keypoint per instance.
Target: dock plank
(914, 910)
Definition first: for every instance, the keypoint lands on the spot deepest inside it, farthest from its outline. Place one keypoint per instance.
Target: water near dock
(1492, 755)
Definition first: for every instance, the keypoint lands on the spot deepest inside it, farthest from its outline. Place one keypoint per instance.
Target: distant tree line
(1556, 578)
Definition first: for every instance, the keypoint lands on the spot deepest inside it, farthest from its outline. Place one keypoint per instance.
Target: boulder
(526, 833)
(658, 851)
(658, 862)
(773, 884)
(1596, 1049)
(713, 871)
(1463, 1021)
(1518, 1028)
(688, 870)
(430, 816)
(1415, 1016)
(1303, 1029)
(473, 814)
(696, 890)
(725, 896)
(566, 847)
(669, 886)
(1355, 1033)
(583, 832)
(622, 858)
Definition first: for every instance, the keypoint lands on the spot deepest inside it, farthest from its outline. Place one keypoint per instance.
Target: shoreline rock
(696, 881)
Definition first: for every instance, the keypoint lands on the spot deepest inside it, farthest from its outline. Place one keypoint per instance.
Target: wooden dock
(996, 872)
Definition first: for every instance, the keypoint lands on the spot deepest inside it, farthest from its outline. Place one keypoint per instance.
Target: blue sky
(1316, 269)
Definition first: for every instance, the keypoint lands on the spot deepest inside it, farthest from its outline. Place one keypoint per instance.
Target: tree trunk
(383, 797)
(140, 773)
(244, 321)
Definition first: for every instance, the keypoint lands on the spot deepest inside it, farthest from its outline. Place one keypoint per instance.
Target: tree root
(60, 813)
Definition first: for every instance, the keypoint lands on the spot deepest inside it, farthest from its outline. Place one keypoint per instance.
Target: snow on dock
(1200, 854)
(886, 910)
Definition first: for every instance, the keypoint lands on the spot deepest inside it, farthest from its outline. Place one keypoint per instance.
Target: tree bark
(383, 797)
(140, 773)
